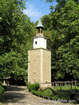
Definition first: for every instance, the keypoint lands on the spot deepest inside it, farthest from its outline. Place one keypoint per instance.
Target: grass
(65, 88)
(66, 91)
(1, 103)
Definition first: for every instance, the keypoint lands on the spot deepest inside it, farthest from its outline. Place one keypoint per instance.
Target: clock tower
(39, 60)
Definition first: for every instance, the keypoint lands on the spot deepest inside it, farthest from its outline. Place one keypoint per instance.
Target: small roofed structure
(39, 28)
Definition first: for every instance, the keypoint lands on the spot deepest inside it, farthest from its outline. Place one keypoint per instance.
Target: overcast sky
(35, 9)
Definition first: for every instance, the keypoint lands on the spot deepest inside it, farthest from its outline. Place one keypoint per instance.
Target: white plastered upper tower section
(39, 41)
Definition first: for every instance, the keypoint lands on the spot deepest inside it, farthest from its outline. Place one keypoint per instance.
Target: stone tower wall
(39, 66)
(46, 66)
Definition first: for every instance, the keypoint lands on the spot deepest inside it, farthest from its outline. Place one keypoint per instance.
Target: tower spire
(39, 24)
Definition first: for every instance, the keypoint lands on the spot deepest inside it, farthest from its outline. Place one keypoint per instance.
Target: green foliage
(61, 3)
(65, 88)
(63, 39)
(38, 93)
(1, 90)
(1, 103)
(48, 92)
(62, 96)
(33, 86)
(66, 93)
(56, 97)
(0, 83)
(16, 32)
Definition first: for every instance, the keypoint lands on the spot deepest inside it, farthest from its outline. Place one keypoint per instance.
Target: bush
(64, 95)
(56, 97)
(48, 92)
(33, 87)
(38, 93)
(0, 83)
(1, 90)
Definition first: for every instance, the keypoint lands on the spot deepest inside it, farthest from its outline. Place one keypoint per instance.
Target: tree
(60, 3)
(64, 28)
(16, 32)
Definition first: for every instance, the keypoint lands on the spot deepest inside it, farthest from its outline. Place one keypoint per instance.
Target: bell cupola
(39, 29)
(39, 41)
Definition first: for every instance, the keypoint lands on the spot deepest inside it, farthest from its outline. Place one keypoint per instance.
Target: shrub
(48, 92)
(0, 83)
(38, 93)
(56, 97)
(64, 95)
(33, 87)
(1, 90)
